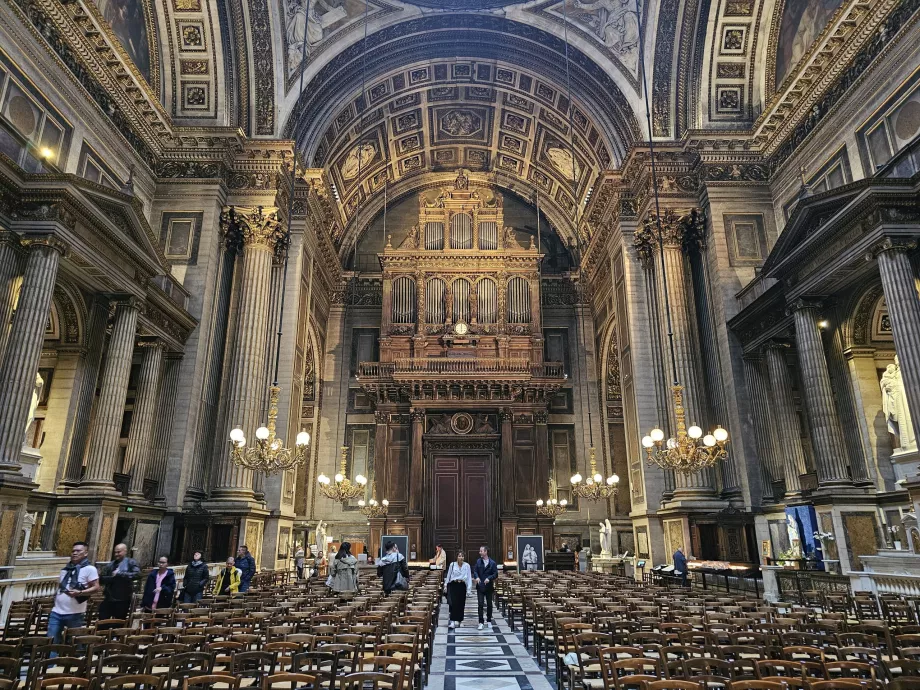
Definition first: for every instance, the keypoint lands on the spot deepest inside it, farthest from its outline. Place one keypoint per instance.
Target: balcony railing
(411, 367)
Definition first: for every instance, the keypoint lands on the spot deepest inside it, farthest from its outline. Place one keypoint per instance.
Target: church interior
(624, 291)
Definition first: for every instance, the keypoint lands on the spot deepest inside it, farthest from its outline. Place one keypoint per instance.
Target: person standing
(197, 576)
(680, 566)
(344, 570)
(458, 585)
(392, 569)
(247, 566)
(299, 558)
(440, 558)
(118, 578)
(484, 574)
(78, 580)
(160, 587)
(228, 580)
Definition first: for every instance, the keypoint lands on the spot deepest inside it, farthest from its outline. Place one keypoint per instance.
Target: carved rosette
(256, 227)
(682, 230)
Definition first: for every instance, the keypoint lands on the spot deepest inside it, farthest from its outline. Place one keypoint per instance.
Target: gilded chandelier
(340, 488)
(373, 508)
(268, 455)
(595, 487)
(552, 507)
(689, 451)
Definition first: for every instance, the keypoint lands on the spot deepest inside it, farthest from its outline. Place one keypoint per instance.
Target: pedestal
(39, 564)
(770, 583)
(906, 464)
(30, 459)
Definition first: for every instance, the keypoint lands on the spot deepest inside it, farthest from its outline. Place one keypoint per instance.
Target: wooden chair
(289, 681)
(64, 683)
(189, 665)
(253, 667)
(211, 682)
(369, 680)
(133, 682)
(746, 684)
(681, 684)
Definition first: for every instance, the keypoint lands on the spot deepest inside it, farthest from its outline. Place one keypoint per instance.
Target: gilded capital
(893, 244)
(684, 230)
(252, 226)
(50, 241)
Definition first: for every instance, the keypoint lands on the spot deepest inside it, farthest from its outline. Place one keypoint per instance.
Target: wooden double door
(462, 505)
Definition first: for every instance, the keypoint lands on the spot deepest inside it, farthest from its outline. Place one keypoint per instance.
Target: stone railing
(471, 367)
(28, 588)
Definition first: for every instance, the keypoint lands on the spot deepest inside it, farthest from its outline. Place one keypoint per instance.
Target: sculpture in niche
(326, 17)
(615, 22)
(511, 239)
(36, 397)
(412, 239)
(606, 533)
(483, 425)
(895, 408)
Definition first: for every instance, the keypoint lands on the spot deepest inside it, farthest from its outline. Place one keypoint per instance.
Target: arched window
(461, 300)
(487, 300)
(461, 231)
(434, 235)
(434, 300)
(403, 300)
(518, 301)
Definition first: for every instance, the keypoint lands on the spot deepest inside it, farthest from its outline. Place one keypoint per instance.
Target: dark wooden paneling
(462, 503)
(526, 490)
(477, 503)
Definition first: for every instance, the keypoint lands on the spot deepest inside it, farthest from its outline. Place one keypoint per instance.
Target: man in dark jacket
(196, 579)
(392, 569)
(118, 579)
(680, 566)
(247, 565)
(484, 573)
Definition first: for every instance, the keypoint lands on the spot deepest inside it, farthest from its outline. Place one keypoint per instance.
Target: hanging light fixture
(373, 508)
(269, 455)
(596, 487)
(552, 507)
(689, 450)
(340, 488)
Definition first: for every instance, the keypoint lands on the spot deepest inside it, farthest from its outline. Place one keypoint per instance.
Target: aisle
(489, 659)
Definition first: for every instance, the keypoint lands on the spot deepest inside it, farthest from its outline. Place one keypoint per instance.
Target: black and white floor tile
(493, 658)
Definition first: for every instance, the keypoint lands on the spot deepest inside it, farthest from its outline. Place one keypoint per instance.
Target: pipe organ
(461, 390)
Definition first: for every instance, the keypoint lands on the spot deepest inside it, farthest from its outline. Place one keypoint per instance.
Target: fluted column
(767, 443)
(507, 466)
(788, 429)
(140, 436)
(381, 455)
(260, 230)
(92, 361)
(900, 287)
(24, 348)
(673, 281)
(416, 468)
(10, 265)
(110, 407)
(826, 432)
(165, 414)
(541, 450)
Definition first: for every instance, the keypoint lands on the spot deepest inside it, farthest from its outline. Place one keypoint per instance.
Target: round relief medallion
(461, 423)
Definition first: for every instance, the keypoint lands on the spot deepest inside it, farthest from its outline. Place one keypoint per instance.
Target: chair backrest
(679, 684)
(290, 681)
(369, 680)
(134, 682)
(64, 683)
(211, 682)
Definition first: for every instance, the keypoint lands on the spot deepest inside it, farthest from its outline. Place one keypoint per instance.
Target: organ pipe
(518, 301)
(403, 300)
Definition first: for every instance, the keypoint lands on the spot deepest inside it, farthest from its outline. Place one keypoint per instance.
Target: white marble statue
(605, 538)
(895, 408)
(36, 396)
(28, 522)
(529, 558)
(321, 537)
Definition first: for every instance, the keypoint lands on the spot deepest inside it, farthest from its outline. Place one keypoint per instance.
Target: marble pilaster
(416, 468)
(788, 429)
(26, 336)
(767, 443)
(102, 452)
(140, 437)
(92, 361)
(166, 412)
(260, 231)
(823, 417)
(900, 286)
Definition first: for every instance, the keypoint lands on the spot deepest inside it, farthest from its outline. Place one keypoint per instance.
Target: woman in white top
(458, 583)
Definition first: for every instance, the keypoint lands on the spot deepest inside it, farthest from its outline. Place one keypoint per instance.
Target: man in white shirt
(79, 579)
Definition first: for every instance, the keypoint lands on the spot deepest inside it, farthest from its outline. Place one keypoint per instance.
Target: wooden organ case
(461, 389)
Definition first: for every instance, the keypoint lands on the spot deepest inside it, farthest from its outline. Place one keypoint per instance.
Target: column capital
(540, 416)
(10, 237)
(892, 244)
(506, 414)
(417, 414)
(251, 226)
(50, 241)
(381, 417)
(776, 345)
(127, 301)
(150, 341)
(804, 303)
(683, 229)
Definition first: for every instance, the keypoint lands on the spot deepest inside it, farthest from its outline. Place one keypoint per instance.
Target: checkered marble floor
(493, 658)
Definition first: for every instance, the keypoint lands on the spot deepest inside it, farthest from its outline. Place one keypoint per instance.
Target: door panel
(462, 503)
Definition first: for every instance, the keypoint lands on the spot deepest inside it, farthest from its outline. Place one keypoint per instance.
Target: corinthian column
(260, 231)
(416, 469)
(102, 451)
(672, 281)
(827, 434)
(900, 286)
(27, 334)
(762, 420)
(140, 437)
(9, 270)
(788, 429)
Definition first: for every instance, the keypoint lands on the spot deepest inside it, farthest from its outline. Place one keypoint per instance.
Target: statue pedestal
(609, 564)
(770, 584)
(30, 459)
(39, 564)
(906, 463)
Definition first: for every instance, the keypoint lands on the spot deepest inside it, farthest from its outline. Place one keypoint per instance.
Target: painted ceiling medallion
(463, 4)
